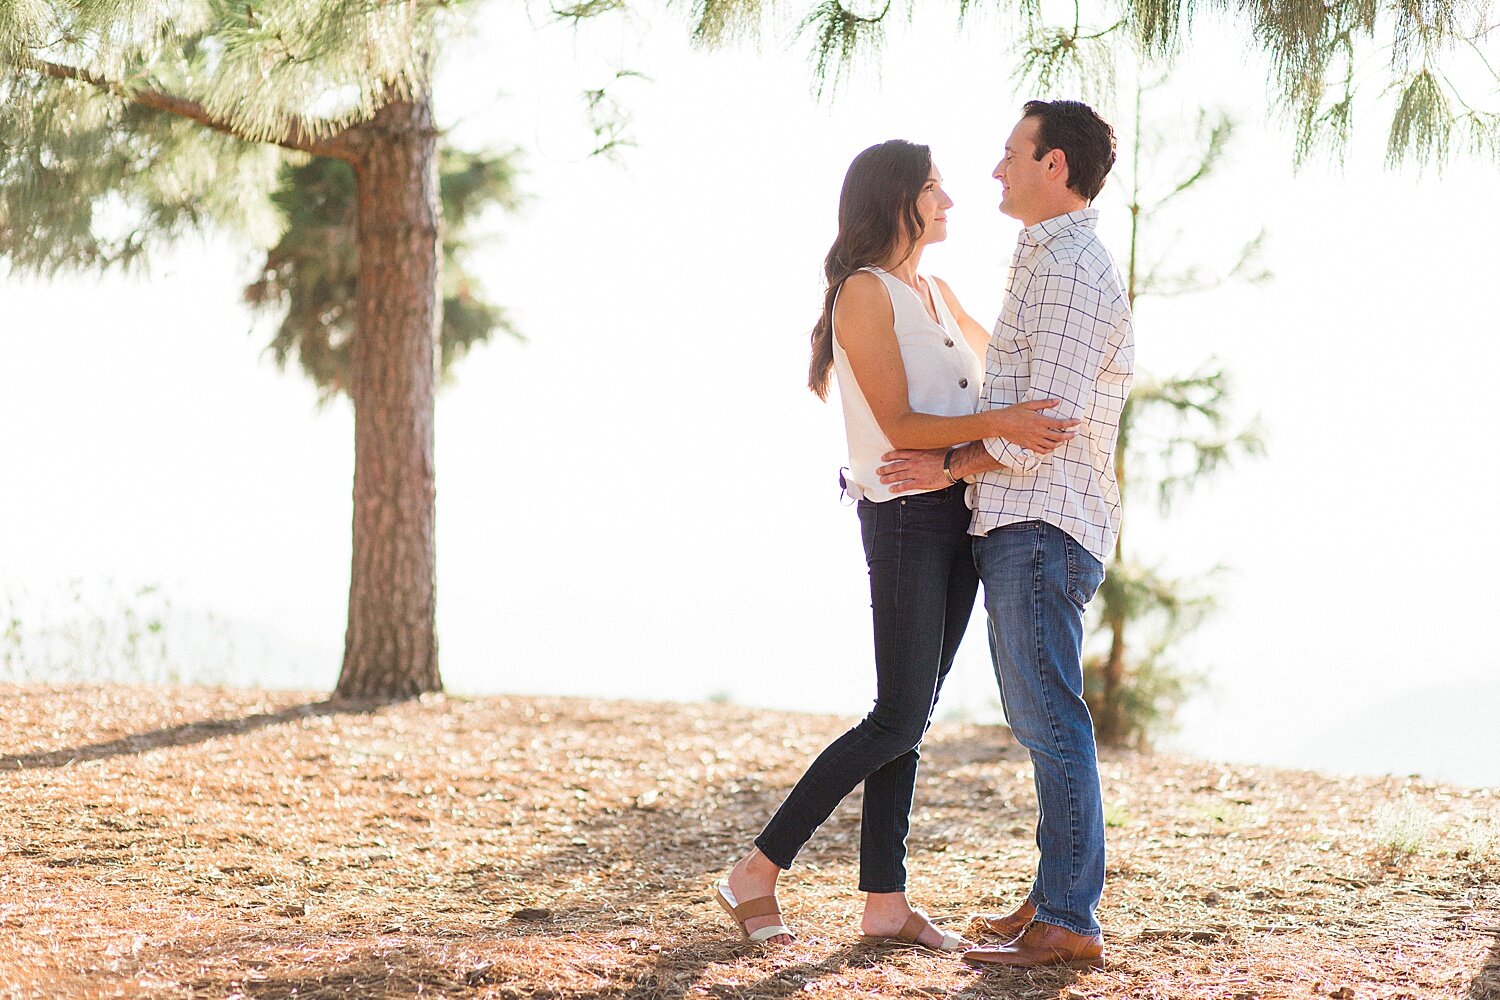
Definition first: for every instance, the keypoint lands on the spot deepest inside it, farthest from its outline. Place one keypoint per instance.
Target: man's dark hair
(1085, 139)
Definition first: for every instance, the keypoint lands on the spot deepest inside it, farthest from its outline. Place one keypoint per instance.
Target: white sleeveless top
(943, 377)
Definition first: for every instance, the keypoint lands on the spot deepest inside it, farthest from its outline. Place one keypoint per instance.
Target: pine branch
(1423, 121)
(608, 118)
(840, 34)
(298, 134)
(1218, 137)
(584, 9)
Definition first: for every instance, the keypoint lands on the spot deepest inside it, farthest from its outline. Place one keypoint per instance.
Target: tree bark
(390, 648)
(1112, 676)
(1112, 671)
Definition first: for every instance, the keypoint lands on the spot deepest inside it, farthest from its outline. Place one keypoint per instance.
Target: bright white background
(640, 500)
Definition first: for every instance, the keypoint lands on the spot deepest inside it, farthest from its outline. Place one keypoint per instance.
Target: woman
(906, 357)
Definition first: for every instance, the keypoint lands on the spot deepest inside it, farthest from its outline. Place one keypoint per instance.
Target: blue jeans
(922, 587)
(1037, 580)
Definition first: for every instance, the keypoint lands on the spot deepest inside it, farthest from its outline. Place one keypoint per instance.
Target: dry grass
(190, 842)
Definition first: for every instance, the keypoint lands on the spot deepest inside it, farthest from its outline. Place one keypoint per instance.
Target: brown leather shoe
(1006, 927)
(1044, 944)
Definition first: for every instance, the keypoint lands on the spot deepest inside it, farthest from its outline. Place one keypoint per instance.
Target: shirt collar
(1048, 228)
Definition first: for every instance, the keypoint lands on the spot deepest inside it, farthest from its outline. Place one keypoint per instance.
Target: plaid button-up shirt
(1063, 333)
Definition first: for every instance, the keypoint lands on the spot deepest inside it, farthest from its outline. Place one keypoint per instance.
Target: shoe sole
(885, 942)
(718, 889)
(1096, 964)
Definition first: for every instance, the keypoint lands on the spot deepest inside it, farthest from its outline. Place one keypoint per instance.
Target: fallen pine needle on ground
(194, 842)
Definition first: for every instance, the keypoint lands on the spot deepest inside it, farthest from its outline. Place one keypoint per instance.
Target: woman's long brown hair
(877, 211)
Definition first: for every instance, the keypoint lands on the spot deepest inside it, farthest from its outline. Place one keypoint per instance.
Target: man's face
(1024, 179)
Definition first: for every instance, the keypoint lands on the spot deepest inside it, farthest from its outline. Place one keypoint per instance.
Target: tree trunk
(1112, 676)
(1112, 723)
(390, 648)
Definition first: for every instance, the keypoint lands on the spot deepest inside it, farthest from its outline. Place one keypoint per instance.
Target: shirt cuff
(1015, 458)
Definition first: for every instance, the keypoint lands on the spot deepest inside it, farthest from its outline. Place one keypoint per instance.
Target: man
(1044, 525)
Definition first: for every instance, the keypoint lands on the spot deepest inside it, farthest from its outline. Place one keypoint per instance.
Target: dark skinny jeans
(922, 587)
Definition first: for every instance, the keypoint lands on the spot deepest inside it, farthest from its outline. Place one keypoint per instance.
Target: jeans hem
(1065, 925)
(899, 888)
(767, 854)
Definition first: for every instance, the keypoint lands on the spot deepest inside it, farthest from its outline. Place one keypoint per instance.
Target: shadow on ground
(319, 967)
(183, 734)
(677, 972)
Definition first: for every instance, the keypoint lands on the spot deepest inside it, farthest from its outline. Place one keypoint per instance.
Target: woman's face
(932, 205)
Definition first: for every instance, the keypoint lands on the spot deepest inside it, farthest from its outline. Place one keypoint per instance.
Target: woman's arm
(866, 329)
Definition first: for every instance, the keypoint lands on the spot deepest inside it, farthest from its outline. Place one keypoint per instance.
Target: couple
(1026, 439)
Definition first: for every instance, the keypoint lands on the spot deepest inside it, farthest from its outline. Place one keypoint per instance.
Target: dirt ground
(189, 842)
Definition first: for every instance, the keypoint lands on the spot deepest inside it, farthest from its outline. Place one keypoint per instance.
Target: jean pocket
(1085, 574)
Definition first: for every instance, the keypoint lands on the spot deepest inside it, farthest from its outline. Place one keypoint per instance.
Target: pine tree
(1174, 434)
(311, 276)
(302, 125)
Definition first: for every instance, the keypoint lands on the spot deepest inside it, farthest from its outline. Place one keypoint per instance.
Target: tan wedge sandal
(910, 935)
(760, 906)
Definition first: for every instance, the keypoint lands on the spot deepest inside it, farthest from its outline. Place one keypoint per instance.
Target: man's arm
(866, 330)
(1068, 320)
(907, 470)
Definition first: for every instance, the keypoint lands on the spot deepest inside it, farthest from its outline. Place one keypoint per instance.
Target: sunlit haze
(640, 500)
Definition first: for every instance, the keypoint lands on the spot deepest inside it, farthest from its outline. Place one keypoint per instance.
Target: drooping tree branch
(298, 135)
